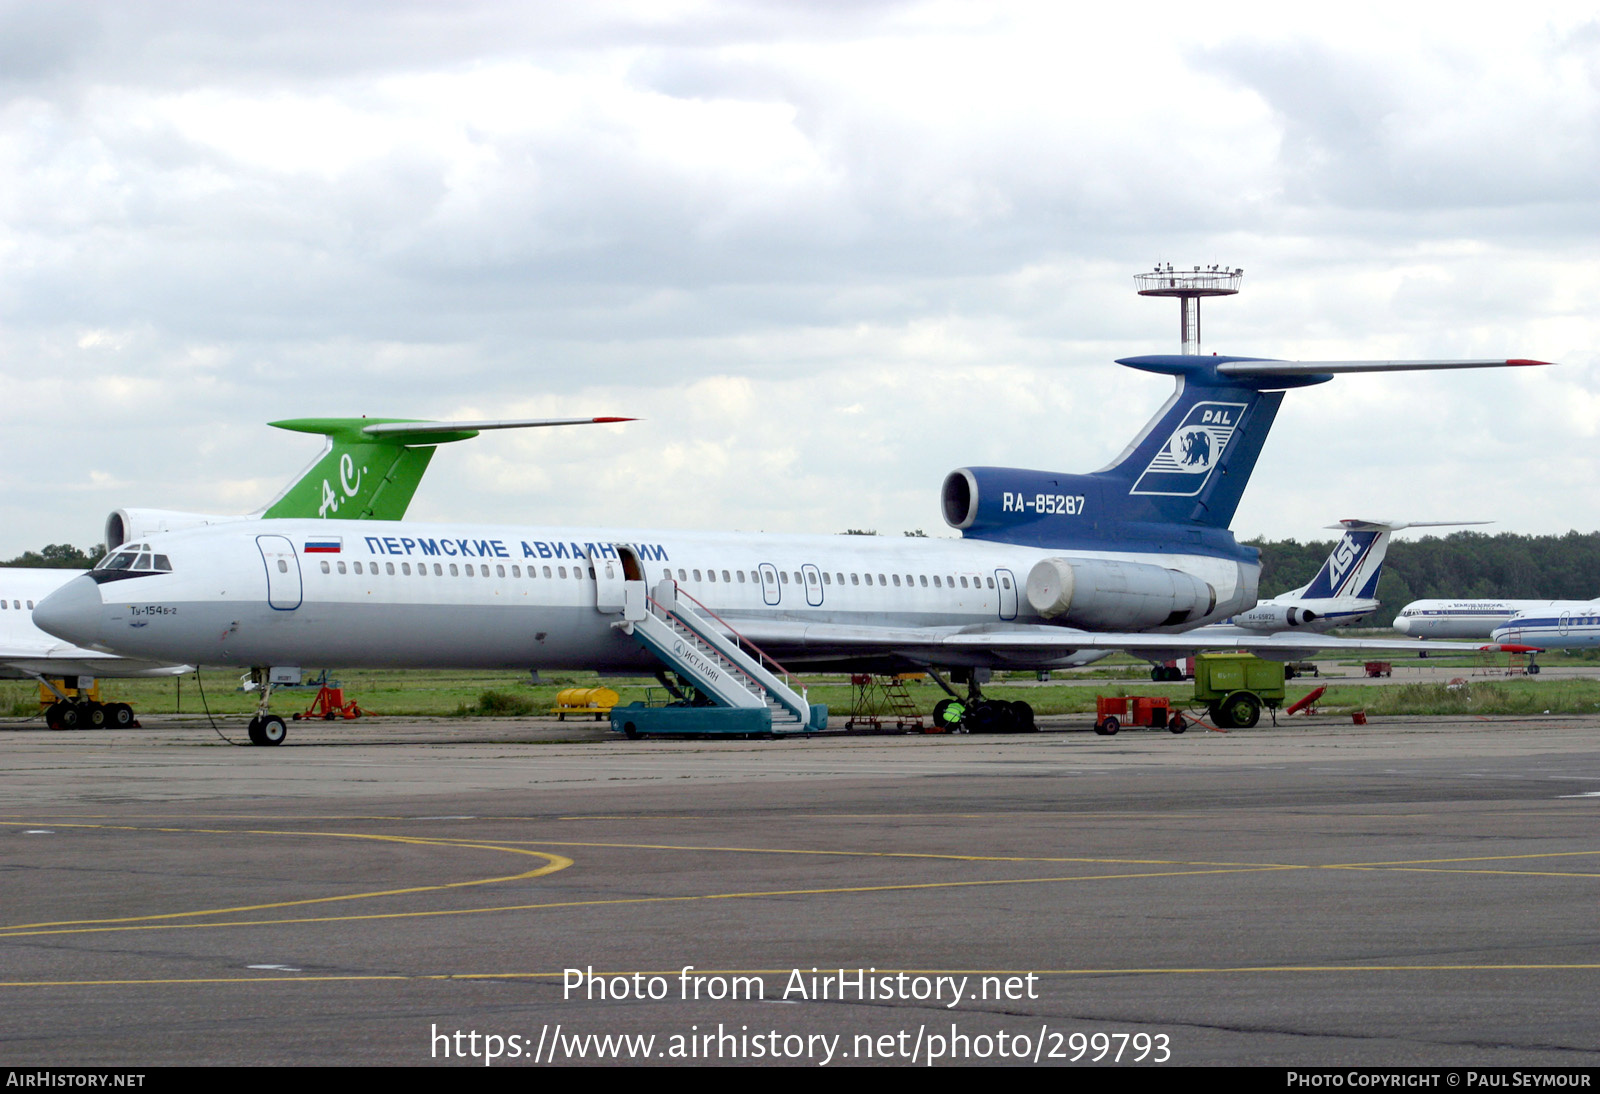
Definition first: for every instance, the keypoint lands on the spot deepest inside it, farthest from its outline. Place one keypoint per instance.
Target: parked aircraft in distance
(1341, 594)
(1050, 566)
(369, 469)
(1466, 619)
(1552, 625)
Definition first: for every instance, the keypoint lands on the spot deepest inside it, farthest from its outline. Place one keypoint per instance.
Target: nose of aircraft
(73, 612)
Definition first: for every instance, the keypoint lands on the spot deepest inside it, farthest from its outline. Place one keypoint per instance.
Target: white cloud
(829, 252)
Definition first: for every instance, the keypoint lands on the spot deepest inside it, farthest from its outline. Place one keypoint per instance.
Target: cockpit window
(132, 560)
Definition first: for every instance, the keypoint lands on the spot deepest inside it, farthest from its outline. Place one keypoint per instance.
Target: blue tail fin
(1188, 468)
(1354, 565)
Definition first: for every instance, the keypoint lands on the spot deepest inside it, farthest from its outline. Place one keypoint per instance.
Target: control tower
(1189, 286)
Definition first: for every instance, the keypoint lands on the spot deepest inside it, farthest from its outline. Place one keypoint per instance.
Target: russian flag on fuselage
(325, 545)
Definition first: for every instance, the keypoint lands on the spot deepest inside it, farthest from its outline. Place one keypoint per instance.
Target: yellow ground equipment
(595, 701)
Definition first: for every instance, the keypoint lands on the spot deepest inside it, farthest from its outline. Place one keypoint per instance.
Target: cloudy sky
(828, 250)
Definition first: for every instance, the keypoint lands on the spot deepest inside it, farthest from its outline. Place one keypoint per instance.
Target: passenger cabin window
(388, 567)
(897, 581)
(325, 567)
(783, 576)
(469, 570)
(283, 567)
(453, 571)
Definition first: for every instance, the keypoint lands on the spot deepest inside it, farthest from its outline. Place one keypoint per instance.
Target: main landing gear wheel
(1533, 670)
(984, 718)
(95, 716)
(1022, 716)
(1163, 674)
(948, 714)
(119, 715)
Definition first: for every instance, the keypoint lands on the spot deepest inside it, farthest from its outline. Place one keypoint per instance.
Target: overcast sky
(829, 250)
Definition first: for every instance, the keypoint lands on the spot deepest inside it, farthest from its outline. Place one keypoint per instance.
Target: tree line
(1460, 566)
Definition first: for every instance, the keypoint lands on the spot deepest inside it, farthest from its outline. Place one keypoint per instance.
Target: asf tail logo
(1181, 467)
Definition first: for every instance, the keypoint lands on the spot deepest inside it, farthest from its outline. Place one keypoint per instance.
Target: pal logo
(1191, 450)
(1181, 467)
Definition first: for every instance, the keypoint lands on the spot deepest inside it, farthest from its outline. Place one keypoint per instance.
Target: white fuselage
(287, 592)
(26, 652)
(1554, 625)
(1463, 618)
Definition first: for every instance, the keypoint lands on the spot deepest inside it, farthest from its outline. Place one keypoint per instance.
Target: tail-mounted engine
(130, 525)
(1097, 594)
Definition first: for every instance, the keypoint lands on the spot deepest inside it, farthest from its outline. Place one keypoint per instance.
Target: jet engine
(1098, 594)
(1276, 617)
(128, 525)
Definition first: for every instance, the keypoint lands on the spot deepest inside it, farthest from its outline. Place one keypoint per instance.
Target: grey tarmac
(1414, 891)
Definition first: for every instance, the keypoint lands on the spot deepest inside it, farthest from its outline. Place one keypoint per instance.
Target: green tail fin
(359, 476)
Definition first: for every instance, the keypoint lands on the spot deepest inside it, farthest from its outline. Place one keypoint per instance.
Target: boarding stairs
(696, 645)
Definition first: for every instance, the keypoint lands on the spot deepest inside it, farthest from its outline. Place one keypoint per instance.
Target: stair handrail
(761, 654)
(731, 666)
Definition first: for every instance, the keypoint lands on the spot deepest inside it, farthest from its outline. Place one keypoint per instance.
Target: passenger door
(284, 589)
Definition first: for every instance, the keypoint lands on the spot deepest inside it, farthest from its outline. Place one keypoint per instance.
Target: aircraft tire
(1242, 710)
(119, 715)
(1533, 670)
(1158, 673)
(982, 717)
(1022, 713)
(273, 730)
(93, 715)
(52, 716)
(948, 714)
(254, 729)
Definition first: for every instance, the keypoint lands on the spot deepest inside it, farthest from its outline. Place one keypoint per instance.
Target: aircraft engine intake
(1100, 594)
(131, 525)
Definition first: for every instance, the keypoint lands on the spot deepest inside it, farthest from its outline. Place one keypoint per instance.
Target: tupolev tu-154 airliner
(1052, 569)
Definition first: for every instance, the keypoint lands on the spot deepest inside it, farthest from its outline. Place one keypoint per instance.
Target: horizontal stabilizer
(424, 429)
(405, 431)
(1397, 525)
(1324, 368)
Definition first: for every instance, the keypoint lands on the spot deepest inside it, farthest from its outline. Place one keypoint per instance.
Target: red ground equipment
(1306, 704)
(1112, 712)
(329, 705)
